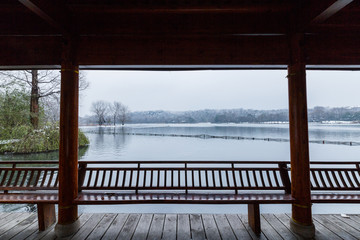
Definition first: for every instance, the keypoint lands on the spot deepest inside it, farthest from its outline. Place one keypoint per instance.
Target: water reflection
(53, 155)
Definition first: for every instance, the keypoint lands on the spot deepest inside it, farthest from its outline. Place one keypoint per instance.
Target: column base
(65, 230)
(307, 232)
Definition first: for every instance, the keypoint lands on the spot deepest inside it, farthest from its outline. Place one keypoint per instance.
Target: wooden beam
(192, 50)
(299, 140)
(331, 11)
(167, 24)
(176, 7)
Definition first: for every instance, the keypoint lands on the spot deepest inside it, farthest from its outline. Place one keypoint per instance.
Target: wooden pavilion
(181, 35)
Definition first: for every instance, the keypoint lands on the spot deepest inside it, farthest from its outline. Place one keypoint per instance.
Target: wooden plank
(197, 227)
(156, 227)
(9, 217)
(244, 219)
(142, 229)
(4, 214)
(268, 230)
(224, 227)
(41, 234)
(28, 231)
(88, 227)
(238, 227)
(183, 227)
(129, 227)
(103, 225)
(170, 226)
(20, 226)
(285, 219)
(355, 232)
(51, 234)
(350, 221)
(324, 220)
(321, 231)
(356, 218)
(211, 230)
(12, 222)
(116, 226)
(279, 226)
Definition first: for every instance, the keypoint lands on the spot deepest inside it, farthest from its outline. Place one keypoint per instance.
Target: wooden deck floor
(178, 226)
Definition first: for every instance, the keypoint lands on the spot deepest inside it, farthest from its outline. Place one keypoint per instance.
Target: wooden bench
(176, 182)
(31, 182)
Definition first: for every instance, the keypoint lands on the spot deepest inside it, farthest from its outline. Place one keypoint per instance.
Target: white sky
(194, 90)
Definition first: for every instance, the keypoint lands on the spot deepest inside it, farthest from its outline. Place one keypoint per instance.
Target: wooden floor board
(142, 230)
(224, 227)
(268, 230)
(102, 227)
(347, 228)
(197, 227)
(18, 226)
(183, 227)
(11, 223)
(350, 221)
(324, 219)
(88, 226)
(129, 227)
(28, 231)
(115, 227)
(156, 227)
(169, 230)
(279, 227)
(211, 229)
(238, 227)
(244, 219)
(322, 232)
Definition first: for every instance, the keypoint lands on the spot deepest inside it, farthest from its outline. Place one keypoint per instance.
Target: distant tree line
(316, 114)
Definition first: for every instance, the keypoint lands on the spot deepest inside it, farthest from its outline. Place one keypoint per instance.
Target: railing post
(301, 221)
(137, 179)
(68, 153)
(81, 175)
(285, 177)
(186, 179)
(234, 178)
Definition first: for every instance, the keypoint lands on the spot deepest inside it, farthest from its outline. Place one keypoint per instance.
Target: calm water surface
(117, 143)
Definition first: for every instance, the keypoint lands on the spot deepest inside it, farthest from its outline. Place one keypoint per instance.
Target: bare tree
(115, 109)
(100, 109)
(124, 114)
(42, 84)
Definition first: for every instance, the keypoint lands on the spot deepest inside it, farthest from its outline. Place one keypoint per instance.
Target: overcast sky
(193, 90)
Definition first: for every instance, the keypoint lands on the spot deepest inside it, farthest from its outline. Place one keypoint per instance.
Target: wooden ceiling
(179, 34)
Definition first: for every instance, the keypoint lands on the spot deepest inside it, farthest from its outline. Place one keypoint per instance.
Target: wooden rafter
(53, 12)
(331, 11)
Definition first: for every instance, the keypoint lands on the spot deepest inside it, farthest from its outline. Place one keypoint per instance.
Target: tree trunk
(34, 100)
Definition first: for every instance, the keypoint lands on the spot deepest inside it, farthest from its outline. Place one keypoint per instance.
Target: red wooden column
(301, 221)
(68, 154)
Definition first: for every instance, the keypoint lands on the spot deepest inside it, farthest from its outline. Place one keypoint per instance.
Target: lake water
(208, 142)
